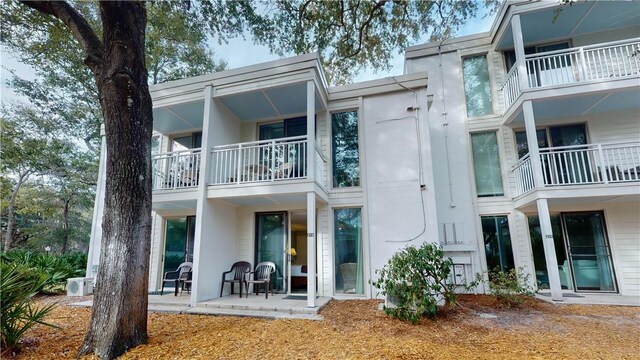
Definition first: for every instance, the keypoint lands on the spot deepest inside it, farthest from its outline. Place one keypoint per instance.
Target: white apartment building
(539, 122)
(519, 147)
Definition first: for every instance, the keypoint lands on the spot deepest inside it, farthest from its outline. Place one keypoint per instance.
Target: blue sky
(239, 52)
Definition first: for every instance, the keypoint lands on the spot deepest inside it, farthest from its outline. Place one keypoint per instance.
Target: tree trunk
(11, 211)
(65, 226)
(119, 317)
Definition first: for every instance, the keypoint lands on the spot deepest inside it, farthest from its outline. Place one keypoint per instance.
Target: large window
(347, 235)
(486, 163)
(497, 243)
(476, 86)
(344, 145)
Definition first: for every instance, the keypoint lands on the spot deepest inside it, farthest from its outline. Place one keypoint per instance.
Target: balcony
(580, 165)
(265, 161)
(604, 61)
(176, 170)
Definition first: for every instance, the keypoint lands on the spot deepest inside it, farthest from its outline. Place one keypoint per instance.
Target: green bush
(56, 269)
(512, 288)
(18, 285)
(416, 279)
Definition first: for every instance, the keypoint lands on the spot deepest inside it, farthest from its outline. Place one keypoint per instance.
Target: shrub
(18, 285)
(417, 279)
(55, 268)
(512, 288)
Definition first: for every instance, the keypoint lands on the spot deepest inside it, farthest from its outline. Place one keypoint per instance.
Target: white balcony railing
(580, 64)
(593, 62)
(176, 169)
(511, 87)
(523, 173)
(581, 164)
(260, 161)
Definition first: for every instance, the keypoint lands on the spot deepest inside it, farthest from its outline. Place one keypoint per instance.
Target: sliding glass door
(271, 238)
(582, 252)
(179, 240)
(589, 251)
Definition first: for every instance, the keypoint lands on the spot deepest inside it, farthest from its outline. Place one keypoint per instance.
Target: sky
(238, 53)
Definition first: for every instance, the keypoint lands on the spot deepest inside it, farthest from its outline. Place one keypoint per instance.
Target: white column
(549, 249)
(202, 208)
(95, 240)
(532, 142)
(518, 45)
(311, 129)
(311, 249)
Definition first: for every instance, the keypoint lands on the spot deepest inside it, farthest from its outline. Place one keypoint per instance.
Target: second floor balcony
(604, 61)
(256, 162)
(264, 161)
(580, 165)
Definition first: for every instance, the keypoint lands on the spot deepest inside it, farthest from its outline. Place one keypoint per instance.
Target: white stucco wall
(396, 145)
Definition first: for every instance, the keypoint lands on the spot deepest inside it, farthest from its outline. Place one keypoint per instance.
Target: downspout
(445, 125)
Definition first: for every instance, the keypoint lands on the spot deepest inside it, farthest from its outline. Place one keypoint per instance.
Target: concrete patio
(591, 299)
(277, 306)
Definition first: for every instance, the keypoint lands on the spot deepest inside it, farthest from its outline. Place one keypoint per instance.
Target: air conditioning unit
(79, 286)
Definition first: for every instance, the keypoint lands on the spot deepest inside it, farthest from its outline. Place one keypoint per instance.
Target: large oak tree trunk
(119, 317)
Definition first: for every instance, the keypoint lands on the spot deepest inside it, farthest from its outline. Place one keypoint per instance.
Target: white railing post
(238, 167)
(582, 70)
(603, 166)
(272, 152)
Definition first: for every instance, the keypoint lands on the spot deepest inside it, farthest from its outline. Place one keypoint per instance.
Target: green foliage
(18, 285)
(416, 279)
(512, 288)
(53, 270)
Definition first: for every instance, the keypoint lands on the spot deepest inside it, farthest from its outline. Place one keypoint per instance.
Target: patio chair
(261, 275)
(239, 270)
(177, 277)
(348, 271)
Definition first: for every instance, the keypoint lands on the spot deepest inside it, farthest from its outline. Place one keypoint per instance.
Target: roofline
(379, 86)
(505, 12)
(226, 76)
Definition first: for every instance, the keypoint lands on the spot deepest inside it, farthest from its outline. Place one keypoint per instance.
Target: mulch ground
(478, 328)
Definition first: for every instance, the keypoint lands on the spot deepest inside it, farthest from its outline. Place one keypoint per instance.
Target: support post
(202, 210)
(518, 44)
(311, 129)
(532, 142)
(311, 249)
(549, 249)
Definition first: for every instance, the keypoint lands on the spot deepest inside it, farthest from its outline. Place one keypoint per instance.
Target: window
(497, 243)
(486, 164)
(344, 145)
(476, 86)
(185, 142)
(347, 235)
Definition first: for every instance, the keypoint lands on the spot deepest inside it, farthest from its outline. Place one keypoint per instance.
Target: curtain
(359, 262)
(486, 163)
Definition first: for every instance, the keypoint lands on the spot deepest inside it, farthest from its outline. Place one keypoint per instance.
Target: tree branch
(366, 24)
(78, 25)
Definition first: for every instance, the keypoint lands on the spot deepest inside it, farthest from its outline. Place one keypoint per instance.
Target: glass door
(573, 165)
(297, 253)
(589, 251)
(271, 239)
(179, 240)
